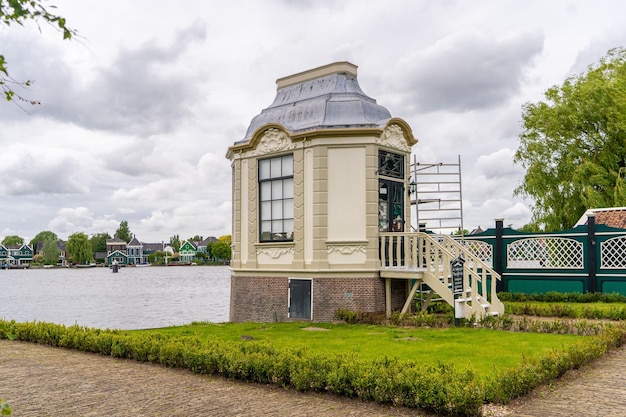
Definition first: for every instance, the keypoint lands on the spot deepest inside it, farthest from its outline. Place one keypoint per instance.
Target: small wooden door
(300, 299)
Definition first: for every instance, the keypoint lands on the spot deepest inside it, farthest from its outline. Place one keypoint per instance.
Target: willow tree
(573, 145)
(51, 252)
(79, 248)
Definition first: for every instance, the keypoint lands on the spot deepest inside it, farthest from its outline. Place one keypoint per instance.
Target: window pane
(288, 225)
(276, 171)
(398, 193)
(277, 226)
(277, 189)
(266, 227)
(266, 191)
(287, 165)
(264, 169)
(266, 210)
(288, 188)
(288, 209)
(277, 209)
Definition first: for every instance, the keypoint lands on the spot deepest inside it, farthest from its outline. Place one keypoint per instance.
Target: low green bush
(361, 317)
(570, 297)
(440, 388)
(572, 310)
(419, 319)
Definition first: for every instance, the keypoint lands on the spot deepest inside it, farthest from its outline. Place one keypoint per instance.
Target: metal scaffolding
(438, 196)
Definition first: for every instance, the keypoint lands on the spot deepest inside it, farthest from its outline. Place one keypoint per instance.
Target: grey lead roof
(329, 101)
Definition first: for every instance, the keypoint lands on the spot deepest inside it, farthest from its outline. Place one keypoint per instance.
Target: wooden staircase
(426, 258)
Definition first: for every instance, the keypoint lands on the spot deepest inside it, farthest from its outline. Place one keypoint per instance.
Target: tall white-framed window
(276, 198)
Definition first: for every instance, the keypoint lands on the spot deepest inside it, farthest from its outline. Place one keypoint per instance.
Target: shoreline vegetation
(102, 265)
(328, 359)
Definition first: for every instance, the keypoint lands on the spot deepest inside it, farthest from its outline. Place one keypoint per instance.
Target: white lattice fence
(613, 253)
(481, 250)
(545, 252)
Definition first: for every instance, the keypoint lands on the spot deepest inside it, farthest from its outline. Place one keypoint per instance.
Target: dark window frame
(276, 198)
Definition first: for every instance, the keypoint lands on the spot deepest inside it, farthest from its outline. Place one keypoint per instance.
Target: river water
(134, 298)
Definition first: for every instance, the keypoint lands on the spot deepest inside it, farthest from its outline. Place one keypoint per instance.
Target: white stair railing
(432, 256)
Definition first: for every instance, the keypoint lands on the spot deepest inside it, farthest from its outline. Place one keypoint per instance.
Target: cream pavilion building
(319, 175)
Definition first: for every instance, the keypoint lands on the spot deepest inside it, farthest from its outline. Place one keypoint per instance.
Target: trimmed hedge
(566, 310)
(439, 388)
(558, 297)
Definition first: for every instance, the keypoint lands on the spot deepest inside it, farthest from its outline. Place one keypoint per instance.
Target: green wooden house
(188, 251)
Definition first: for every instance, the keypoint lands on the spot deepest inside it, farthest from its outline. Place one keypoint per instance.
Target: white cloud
(466, 71)
(137, 115)
(69, 220)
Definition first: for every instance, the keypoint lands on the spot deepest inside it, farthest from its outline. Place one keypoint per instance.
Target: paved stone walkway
(41, 381)
(45, 381)
(598, 390)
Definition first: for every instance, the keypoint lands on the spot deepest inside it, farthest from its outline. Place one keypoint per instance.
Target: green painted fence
(588, 258)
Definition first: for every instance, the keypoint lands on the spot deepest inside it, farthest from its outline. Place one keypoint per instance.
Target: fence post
(591, 251)
(498, 252)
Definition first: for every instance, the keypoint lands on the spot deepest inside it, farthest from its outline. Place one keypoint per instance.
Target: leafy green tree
(157, 257)
(529, 228)
(42, 237)
(201, 256)
(99, 241)
(221, 250)
(50, 252)
(123, 232)
(196, 238)
(209, 250)
(573, 145)
(13, 240)
(20, 11)
(79, 248)
(175, 243)
(226, 239)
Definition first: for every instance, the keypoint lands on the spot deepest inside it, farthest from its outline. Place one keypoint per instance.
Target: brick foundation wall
(398, 294)
(259, 299)
(265, 299)
(356, 294)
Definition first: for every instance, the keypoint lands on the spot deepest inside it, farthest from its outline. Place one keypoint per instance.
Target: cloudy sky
(137, 113)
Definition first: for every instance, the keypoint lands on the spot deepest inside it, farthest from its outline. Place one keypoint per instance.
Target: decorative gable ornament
(393, 137)
(272, 141)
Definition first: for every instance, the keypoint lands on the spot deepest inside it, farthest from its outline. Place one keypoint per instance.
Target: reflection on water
(134, 298)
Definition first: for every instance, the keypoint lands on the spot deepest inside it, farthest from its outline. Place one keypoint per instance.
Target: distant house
(16, 255)
(60, 246)
(611, 216)
(134, 250)
(117, 256)
(188, 251)
(202, 246)
(4, 255)
(150, 248)
(116, 251)
(477, 231)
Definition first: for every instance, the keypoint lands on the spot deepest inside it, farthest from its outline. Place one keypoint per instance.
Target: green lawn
(481, 349)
